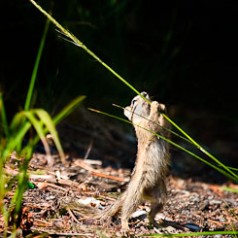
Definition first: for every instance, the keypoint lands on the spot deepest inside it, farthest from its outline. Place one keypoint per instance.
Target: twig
(88, 150)
(94, 172)
(72, 215)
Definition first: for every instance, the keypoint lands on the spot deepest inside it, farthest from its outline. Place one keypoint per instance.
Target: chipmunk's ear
(145, 94)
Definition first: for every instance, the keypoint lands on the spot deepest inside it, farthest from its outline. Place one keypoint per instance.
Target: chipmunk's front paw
(157, 107)
(161, 107)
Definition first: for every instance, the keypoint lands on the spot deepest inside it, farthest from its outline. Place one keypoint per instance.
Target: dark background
(183, 53)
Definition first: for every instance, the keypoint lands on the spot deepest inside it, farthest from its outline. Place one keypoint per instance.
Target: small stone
(138, 213)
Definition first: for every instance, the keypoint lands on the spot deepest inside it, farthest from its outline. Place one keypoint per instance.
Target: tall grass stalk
(80, 44)
(224, 169)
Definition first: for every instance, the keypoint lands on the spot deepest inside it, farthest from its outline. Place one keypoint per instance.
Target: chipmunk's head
(139, 109)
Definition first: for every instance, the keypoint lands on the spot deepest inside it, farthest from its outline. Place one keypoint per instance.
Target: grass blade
(80, 44)
(197, 145)
(48, 122)
(35, 69)
(194, 234)
(68, 109)
(3, 117)
(38, 125)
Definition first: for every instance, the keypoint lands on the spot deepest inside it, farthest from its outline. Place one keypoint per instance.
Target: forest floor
(66, 196)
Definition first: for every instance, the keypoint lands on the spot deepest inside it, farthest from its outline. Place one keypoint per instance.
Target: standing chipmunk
(149, 175)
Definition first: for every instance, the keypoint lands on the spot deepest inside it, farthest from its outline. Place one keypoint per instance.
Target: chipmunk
(151, 167)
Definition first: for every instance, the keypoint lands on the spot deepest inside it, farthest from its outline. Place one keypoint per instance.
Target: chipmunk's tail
(132, 198)
(127, 203)
(112, 210)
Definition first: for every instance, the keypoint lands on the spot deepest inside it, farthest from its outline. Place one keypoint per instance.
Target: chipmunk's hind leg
(157, 197)
(155, 208)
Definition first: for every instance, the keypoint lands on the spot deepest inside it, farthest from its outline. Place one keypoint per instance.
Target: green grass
(195, 234)
(38, 123)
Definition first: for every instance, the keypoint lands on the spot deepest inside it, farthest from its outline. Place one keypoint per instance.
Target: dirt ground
(99, 160)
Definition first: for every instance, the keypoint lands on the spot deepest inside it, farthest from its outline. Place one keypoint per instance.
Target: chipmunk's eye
(133, 101)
